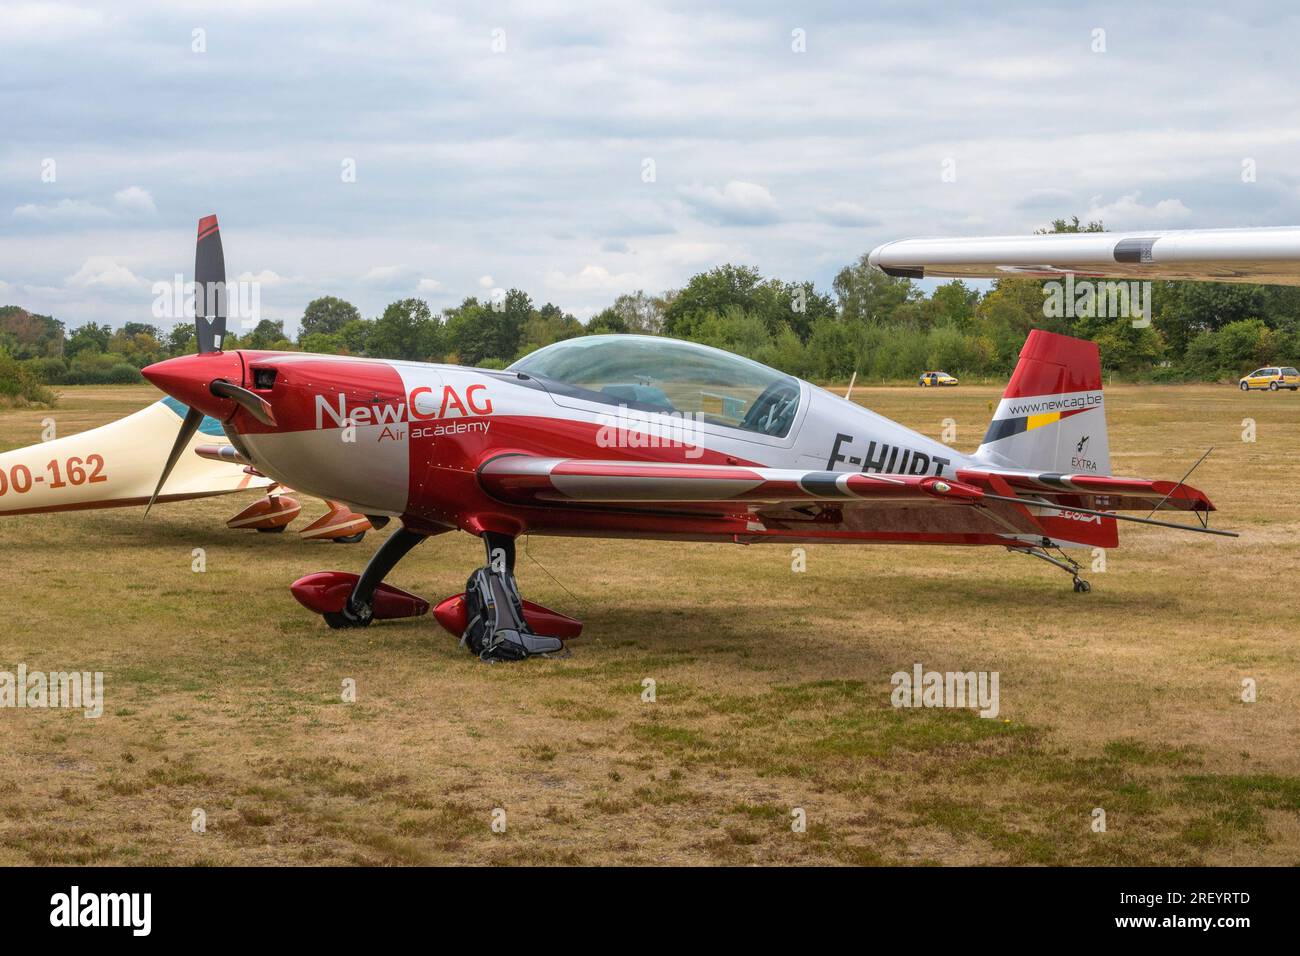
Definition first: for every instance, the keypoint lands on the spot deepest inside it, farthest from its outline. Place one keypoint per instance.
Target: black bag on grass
(496, 629)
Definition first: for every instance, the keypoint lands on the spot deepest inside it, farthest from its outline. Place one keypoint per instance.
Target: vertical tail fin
(1051, 418)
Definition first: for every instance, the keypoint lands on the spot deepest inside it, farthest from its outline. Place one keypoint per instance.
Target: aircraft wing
(1011, 501)
(1268, 255)
(753, 491)
(527, 480)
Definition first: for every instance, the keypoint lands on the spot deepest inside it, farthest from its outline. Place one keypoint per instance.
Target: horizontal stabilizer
(1103, 492)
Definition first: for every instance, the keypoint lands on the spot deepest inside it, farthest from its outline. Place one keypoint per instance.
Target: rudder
(1052, 416)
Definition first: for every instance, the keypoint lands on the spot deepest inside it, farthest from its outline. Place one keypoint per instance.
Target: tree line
(879, 327)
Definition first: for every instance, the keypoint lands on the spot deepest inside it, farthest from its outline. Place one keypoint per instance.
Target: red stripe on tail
(1052, 364)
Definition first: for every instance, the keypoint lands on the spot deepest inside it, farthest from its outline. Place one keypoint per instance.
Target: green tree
(639, 312)
(137, 350)
(1060, 225)
(868, 295)
(711, 293)
(91, 337)
(355, 336)
(322, 343)
(607, 322)
(735, 330)
(1244, 345)
(181, 340)
(29, 334)
(488, 330)
(796, 305)
(953, 303)
(19, 385)
(327, 315)
(406, 330)
(547, 325)
(1182, 309)
(269, 336)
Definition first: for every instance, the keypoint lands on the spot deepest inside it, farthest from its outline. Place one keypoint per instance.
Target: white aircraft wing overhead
(1267, 255)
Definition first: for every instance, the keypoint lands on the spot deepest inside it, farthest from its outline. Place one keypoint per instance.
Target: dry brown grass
(772, 687)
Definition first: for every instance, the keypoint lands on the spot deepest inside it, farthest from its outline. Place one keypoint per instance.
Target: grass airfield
(772, 687)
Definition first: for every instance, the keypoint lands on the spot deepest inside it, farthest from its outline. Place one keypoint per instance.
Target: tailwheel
(1064, 562)
(349, 539)
(278, 529)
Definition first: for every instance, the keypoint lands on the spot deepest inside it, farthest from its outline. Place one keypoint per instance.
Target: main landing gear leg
(358, 612)
(496, 628)
(1065, 563)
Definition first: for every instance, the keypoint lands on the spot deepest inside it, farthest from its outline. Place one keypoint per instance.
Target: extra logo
(1079, 516)
(1078, 462)
(423, 404)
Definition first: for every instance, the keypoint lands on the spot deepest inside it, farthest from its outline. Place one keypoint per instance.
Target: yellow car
(1271, 378)
(935, 379)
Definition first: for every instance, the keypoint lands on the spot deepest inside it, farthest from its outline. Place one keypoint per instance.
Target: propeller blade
(209, 286)
(193, 418)
(255, 405)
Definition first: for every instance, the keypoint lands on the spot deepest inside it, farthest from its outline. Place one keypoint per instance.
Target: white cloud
(1128, 212)
(131, 201)
(66, 211)
(135, 200)
(693, 254)
(737, 203)
(389, 276)
(264, 278)
(592, 277)
(103, 272)
(486, 282)
(847, 214)
(428, 285)
(1049, 199)
(50, 21)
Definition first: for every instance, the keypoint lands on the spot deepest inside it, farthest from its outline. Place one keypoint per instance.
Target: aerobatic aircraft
(646, 437)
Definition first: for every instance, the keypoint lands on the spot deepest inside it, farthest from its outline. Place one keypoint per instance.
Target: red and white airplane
(645, 437)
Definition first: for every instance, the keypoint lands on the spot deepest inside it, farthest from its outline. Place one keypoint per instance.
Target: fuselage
(407, 439)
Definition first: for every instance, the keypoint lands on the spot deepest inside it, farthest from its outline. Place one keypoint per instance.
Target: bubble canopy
(655, 374)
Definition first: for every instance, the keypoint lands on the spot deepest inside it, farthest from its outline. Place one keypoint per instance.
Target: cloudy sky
(581, 151)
